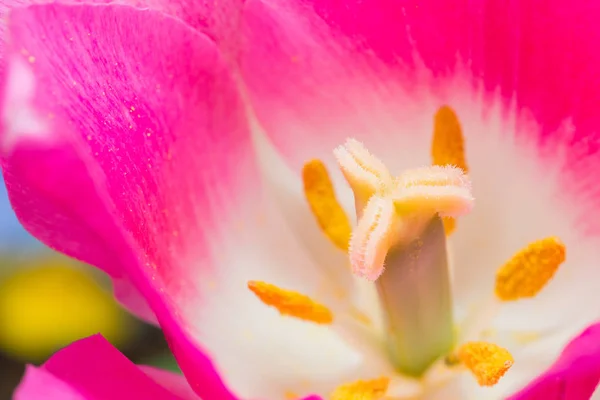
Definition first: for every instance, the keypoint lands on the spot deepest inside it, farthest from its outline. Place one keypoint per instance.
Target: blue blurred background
(48, 301)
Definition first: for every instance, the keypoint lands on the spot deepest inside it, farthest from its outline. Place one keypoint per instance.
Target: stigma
(394, 210)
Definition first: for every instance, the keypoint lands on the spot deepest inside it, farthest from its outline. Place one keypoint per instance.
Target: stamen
(448, 145)
(487, 361)
(371, 239)
(524, 276)
(448, 148)
(530, 269)
(373, 389)
(291, 303)
(320, 195)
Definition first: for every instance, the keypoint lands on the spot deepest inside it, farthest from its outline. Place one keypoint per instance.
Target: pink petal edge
(574, 376)
(172, 381)
(90, 369)
(319, 71)
(38, 384)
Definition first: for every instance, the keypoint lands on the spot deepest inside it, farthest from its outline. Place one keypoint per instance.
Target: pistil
(399, 228)
(415, 294)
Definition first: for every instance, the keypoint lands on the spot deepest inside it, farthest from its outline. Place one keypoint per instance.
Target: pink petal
(574, 376)
(175, 383)
(205, 16)
(37, 383)
(110, 140)
(90, 368)
(322, 70)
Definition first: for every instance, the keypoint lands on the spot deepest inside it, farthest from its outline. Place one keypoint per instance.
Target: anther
(486, 361)
(291, 303)
(448, 148)
(321, 198)
(528, 271)
(373, 389)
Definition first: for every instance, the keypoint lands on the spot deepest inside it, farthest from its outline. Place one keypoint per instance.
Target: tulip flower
(386, 199)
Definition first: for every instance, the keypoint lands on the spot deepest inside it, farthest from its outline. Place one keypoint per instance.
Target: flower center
(400, 244)
(400, 226)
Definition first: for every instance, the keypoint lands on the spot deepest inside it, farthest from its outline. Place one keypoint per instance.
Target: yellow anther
(373, 389)
(530, 269)
(448, 147)
(291, 303)
(291, 396)
(487, 361)
(320, 195)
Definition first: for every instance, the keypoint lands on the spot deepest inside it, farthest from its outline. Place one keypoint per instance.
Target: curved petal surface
(144, 168)
(37, 383)
(173, 382)
(110, 139)
(575, 375)
(536, 53)
(522, 78)
(90, 369)
(209, 17)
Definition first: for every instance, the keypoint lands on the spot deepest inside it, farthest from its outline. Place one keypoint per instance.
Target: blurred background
(48, 301)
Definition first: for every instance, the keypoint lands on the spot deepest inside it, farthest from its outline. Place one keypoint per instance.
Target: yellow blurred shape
(46, 306)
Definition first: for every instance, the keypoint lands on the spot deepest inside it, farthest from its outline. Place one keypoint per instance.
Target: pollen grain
(330, 215)
(528, 271)
(291, 303)
(486, 361)
(373, 389)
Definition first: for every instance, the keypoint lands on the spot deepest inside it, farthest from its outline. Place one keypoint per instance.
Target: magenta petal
(39, 384)
(574, 376)
(91, 369)
(333, 68)
(121, 152)
(209, 17)
(175, 383)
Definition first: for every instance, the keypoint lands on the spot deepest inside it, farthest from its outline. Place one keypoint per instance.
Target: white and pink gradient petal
(118, 152)
(522, 78)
